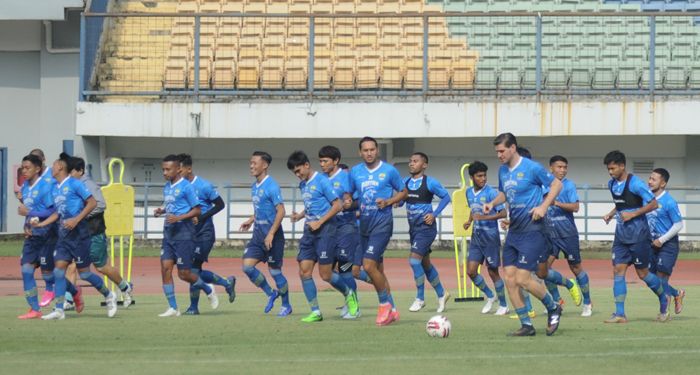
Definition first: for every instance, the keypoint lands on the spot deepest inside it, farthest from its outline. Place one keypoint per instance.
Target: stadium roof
(37, 9)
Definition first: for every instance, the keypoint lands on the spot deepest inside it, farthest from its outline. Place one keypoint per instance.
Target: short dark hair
(173, 158)
(507, 138)
(422, 155)
(368, 139)
(77, 164)
(264, 156)
(66, 159)
(663, 173)
(343, 166)
(38, 152)
(296, 159)
(330, 152)
(476, 167)
(34, 159)
(522, 151)
(616, 157)
(557, 158)
(185, 160)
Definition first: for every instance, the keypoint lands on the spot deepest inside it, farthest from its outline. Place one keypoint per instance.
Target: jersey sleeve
(435, 187)
(638, 187)
(572, 194)
(275, 195)
(191, 197)
(395, 180)
(210, 192)
(674, 212)
(328, 191)
(491, 196)
(541, 176)
(500, 181)
(351, 182)
(82, 190)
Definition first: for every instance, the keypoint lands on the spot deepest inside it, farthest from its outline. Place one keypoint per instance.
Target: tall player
(520, 182)
(665, 223)
(210, 203)
(632, 243)
(375, 181)
(317, 244)
(267, 244)
(485, 244)
(180, 207)
(422, 225)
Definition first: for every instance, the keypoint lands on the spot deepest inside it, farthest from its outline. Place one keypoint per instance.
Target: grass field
(239, 338)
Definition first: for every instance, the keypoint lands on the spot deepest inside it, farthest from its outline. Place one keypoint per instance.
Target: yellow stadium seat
(440, 70)
(322, 7)
(411, 6)
(322, 41)
(414, 71)
(344, 7)
(248, 68)
(366, 6)
(389, 6)
(300, 6)
(278, 7)
(322, 68)
(232, 7)
(183, 30)
(296, 73)
(388, 42)
(272, 76)
(368, 70)
(224, 68)
(344, 71)
(175, 72)
(343, 45)
(255, 6)
(393, 70)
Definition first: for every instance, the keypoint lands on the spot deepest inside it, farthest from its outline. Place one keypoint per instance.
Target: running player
(422, 224)
(520, 182)
(267, 244)
(73, 203)
(485, 243)
(562, 235)
(210, 203)
(375, 182)
(632, 243)
(317, 244)
(665, 223)
(96, 226)
(180, 207)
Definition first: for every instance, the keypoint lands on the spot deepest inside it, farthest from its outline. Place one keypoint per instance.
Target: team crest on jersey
(336, 184)
(520, 175)
(261, 192)
(482, 200)
(177, 191)
(65, 189)
(312, 187)
(35, 193)
(382, 176)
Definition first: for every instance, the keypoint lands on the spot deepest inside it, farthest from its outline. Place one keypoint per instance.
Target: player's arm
(436, 188)
(501, 214)
(396, 198)
(296, 216)
(497, 201)
(672, 232)
(245, 226)
(49, 220)
(335, 208)
(469, 221)
(610, 215)
(275, 225)
(90, 205)
(218, 206)
(191, 214)
(554, 189)
(568, 207)
(629, 215)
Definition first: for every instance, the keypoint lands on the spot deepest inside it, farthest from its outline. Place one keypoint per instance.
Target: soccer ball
(438, 326)
(34, 220)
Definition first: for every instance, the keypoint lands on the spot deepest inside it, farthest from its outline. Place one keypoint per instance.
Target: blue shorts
(372, 246)
(568, 245)
(346, 245)
(489, 251)
(318, 246)
(664, 259)
(205, 236)
(421, 237)
(255, 249)
(525, 250)
(635, 253)
(74, 245)
(179, 244)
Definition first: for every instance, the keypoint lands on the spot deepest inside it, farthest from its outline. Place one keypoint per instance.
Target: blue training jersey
(69, 197)
(662, 219)
(206, 193)
(561, 223)
(266, 196)
(341, 185)
(381, 182)
(38, 197)
(483, 230)
(637, 229)
(318, 196)
(417, 211)
(523, 189)
(179, 198)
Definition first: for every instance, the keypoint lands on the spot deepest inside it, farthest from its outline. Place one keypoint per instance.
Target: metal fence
(205, 56)
(595, 202)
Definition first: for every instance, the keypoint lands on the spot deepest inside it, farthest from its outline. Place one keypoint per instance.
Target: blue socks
(30, 292)
(583, 283)
(95, 281)
(654, 283)
(481, 284)
(553, 289)
(282, 285)
(169, 291)
(364, 276)
(49, 279)
(620, 293)
(555, 277)
(199, 284)
(310, 292)
(212, 278)
(434, 280)
(258, 279)
(419, 277)
(349, 279)
(194, 292)
(59, 287)
(501, 292)
(671, 291)
(383, 296)
(526, 298)
(339, 284)
(522, 315)
(70, 288)
(549, 303)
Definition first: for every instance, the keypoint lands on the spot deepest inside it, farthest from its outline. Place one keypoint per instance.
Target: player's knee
(355, 272)
(28, 269)
(184, 274)
(248, 270)
(472, 274)
(84, 275)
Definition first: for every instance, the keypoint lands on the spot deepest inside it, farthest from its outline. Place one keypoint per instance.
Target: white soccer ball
(438, 326)
(34, 220)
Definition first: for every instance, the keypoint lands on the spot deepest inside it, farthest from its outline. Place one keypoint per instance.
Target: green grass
(239, 338)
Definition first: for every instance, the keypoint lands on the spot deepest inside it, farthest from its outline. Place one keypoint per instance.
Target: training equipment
(460, 214)
(34, 220)
(438, 326)
(119, 219)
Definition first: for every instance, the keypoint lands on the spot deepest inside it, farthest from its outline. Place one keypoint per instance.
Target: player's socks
(383, 296)
(553, 290)
(654, 283)
(549, 303)
(419, 277)
(349, 279)
(555, 277)
(310, 292)
(501, 292)
(50, 281)
(434, 279)
(282, 285)
(526, 298)
(60, 287)
(481, 284)
(30, 292)
(390, 298)
(70, 288)
(201, 285)
(95, 281)
(620, 293)
(69, 297)
(169, 291)
(212, 278)
(583, 283)
(671, 291)
(364, 276)
(522, 315)
(258, 279)
(123, 286)
(339, 284)
(194, 294)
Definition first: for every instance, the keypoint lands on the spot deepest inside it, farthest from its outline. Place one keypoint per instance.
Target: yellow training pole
(131, 247)
(459, 279)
